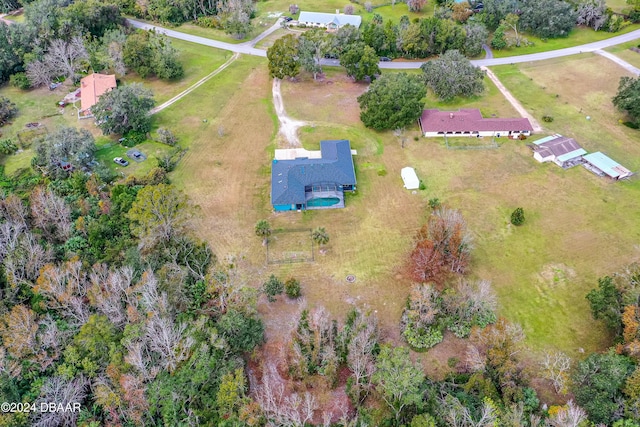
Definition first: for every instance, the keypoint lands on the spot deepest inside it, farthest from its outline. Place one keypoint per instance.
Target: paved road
(488, 52)
(247, 48)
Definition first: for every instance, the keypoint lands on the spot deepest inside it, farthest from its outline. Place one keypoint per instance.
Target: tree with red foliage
(443, 246)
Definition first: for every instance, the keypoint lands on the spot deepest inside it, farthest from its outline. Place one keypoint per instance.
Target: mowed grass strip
(227, 130)
(197, 61)
(578, 36)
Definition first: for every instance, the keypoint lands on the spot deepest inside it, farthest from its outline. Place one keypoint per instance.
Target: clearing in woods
(573, 217)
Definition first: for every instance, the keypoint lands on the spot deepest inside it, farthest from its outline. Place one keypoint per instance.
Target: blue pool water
(327, 201)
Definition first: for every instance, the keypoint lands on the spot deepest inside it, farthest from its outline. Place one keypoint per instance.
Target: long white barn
(328, 20)
(469, 122)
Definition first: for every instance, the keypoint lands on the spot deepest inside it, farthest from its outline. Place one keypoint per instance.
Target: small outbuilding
(561, 150)
(603, 165)
(411, 181)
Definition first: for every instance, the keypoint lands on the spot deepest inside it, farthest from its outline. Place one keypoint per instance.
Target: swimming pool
(323, 201)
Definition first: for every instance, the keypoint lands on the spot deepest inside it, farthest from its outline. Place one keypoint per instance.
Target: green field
(197, 61)
(541, 271)
(578, 36)
(624, 52)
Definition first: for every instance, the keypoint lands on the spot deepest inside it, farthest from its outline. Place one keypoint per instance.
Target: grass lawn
(578, 36)
(617, 5)
(108, 149)
(15, 18)
(395, 12)
(228, 177)
(624, 52)
(258, 25)
(37, 105)
(268, 41)
(197, 61)
(490, 102)
(576, 230)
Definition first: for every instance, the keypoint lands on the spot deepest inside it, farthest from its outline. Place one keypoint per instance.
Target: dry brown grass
(573, 217)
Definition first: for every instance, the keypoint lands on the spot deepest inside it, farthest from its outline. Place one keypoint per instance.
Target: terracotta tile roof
(469, 120)
(93, 86)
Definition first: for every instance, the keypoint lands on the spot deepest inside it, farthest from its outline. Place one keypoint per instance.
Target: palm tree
(320, 236)
(263, 229)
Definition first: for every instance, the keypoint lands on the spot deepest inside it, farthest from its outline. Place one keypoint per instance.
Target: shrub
(165, 136)
(20, 81)
(422, 338)
(7, 146)
(7, 110)
(547, 118)
(434, 203)
(292, 288)
(272, 287)
(517, 217)
(422, 186)
(133, 138)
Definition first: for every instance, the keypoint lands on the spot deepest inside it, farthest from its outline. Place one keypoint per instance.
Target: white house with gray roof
(330, 21)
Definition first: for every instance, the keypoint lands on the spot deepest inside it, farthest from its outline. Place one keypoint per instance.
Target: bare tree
(168, 340)
(50, 214)
(52, 341)
(66, 58)
(61, 392)
(349, 9)
(110, 291)
(280, 409)
(12, 210)
(360, 357)
(592, 13)
(570, 416)
(64, 289)
(39, 73)
(458, 415)
(23, 257)
(117, 58)
(18, 331)
(555, 367)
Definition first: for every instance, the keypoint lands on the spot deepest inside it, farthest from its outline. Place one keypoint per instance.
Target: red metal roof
(469, 120)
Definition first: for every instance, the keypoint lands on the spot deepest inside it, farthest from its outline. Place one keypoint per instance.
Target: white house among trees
(330, 21)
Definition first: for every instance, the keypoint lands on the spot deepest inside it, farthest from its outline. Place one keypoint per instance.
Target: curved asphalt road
(247, 48)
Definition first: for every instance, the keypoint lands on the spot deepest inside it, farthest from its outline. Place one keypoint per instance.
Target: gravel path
(624, 64)
(288, 126)
(516, 104)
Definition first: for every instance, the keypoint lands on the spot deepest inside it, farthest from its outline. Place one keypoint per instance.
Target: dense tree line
(64, 40)
(109, 300)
